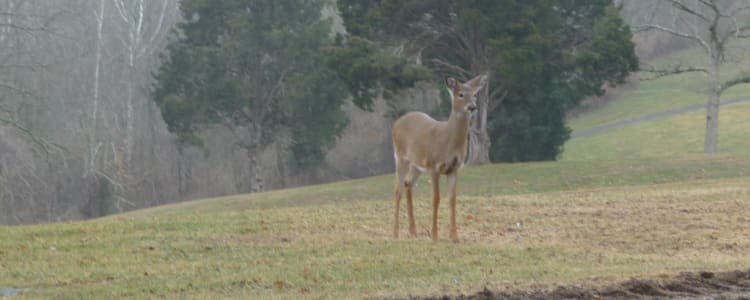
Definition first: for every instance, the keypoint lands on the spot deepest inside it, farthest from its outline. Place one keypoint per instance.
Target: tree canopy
(544, 56)
(256, 68)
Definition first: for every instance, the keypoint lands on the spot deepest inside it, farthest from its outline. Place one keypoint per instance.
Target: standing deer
(422, 144)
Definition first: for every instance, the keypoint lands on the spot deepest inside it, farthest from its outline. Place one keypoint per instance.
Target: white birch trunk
(94, 146)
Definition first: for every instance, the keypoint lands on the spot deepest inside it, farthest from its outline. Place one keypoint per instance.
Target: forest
(114, 105)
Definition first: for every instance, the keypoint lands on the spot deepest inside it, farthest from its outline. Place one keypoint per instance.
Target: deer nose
(471, 107)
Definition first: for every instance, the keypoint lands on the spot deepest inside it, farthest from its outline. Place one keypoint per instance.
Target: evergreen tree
(366, 70)
(255, 67)
(543, 57)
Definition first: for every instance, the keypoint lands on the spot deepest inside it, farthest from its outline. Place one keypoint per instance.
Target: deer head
(463, 96)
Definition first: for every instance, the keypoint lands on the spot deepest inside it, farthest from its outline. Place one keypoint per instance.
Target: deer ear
(477, 83)
(451, 82)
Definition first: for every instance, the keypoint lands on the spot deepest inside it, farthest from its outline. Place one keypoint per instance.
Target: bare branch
(679, 5)
(229, 123)
(496, 97)
(658, 73)
(41, 143)
(739, 10)
(740, 79)
(22, 28)
(17, 90)
(451, 68)
(741, 31)
(693, 37)
(712, 6)
(737, 32)
(157, 30)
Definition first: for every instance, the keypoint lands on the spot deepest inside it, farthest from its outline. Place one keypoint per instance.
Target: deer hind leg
(411, 179)
(435, 203)
(452, 187)
(401, 169)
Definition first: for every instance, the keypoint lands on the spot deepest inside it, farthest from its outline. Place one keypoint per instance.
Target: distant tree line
(78, 138)
(113, 105)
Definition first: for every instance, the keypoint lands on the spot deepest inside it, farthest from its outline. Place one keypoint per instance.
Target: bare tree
(129, 36)
(142, 24)
(93, 145)
(16, 24)
(75, 122)
(715, 26)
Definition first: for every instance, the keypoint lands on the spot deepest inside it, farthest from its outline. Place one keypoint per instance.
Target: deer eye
(460, 95)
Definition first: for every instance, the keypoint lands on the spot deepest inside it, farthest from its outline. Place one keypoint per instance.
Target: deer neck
(458, 128)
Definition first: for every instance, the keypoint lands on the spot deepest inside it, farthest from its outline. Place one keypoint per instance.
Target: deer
(422, 144)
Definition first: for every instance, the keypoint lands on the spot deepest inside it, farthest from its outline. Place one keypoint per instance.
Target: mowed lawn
(673, 136)
(665, 93)
(534, 225)
(669, 137)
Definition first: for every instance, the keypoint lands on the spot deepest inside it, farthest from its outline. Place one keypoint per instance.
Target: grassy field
(521, 225)
(638, 201)
(663, 94)
(669, 137)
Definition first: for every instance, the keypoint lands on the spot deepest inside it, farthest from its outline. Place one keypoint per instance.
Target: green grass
(636, 201)
(669, 137)
(499, 179)
(521, 225)
(663, 94)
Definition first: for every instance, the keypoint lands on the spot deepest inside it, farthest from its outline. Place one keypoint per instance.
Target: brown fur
(421, 143)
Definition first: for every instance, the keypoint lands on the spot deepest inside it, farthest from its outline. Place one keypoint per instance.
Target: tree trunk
(256, 182)
(712, 109)
(479, 152)
(93, 146)
(712, 123)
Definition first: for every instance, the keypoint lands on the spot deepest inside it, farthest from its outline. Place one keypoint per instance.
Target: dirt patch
(701, 285)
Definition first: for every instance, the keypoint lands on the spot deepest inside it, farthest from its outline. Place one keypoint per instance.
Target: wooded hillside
(84, 98)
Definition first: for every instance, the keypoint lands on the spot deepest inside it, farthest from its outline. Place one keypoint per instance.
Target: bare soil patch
(694, 285)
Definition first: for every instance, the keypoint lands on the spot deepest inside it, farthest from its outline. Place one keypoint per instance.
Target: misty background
(81, 135)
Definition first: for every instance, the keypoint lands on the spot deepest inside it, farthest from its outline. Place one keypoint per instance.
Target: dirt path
(702, 285)
(649, 117)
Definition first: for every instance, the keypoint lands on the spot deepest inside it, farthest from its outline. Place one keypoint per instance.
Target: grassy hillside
(635, 201)
(676, 135)
(521, 225)
(669, 137)
(666, 93)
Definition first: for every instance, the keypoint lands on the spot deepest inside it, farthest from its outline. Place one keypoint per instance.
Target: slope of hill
(667, 137)
(678, 131)
(636, 201)
(522, 225)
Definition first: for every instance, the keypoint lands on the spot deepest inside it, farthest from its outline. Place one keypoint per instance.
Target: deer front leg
(395, 215)
(410, 210)
(409, 183)
(400, 173)
(435, 203)
(452, 187)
